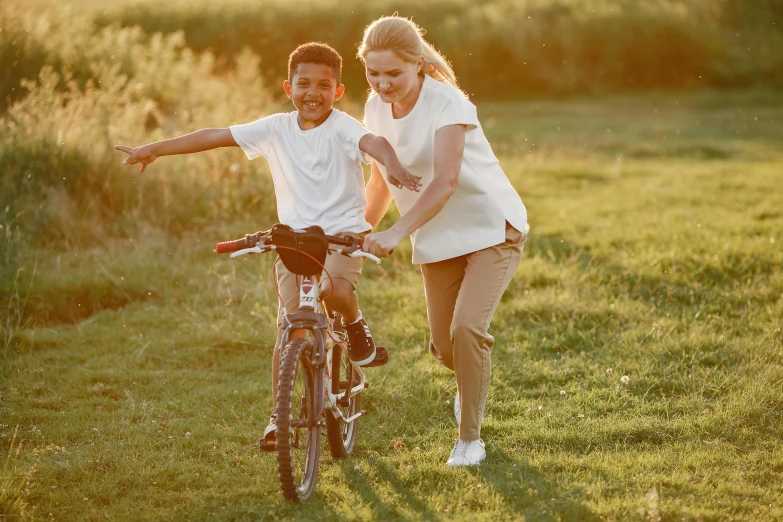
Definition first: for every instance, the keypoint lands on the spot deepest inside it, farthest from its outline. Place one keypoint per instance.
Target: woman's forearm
(432, 201)
(447, 161)
(201, 140)
(378, 198)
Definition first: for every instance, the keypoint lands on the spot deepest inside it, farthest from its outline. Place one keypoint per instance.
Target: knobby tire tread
(291, 355)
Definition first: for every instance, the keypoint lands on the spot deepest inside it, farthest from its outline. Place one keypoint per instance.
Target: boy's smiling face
(313, 89)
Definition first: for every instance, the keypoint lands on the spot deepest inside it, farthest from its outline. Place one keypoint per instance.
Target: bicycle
(318, 386)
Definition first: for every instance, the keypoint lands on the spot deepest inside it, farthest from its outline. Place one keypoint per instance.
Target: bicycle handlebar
(251, 240)
(226, 247)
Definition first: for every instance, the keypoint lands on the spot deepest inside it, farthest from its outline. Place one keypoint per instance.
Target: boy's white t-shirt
(317, 172)
(475, 215)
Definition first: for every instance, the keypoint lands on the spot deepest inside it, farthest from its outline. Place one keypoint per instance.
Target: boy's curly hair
(315, 52)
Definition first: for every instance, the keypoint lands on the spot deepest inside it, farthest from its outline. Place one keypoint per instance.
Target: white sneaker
(467, 453)
(456, 407)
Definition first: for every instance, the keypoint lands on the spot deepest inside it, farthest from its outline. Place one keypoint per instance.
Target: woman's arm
(447, 156)
(201, 140)
(382, 151)
(378, 197)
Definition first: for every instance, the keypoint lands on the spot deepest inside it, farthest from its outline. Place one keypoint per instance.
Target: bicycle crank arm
(305, 424)
(354, 417)
(342, 398)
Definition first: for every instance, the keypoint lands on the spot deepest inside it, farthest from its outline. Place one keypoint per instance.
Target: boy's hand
(143, 155)
(381, 151)
(400, 177)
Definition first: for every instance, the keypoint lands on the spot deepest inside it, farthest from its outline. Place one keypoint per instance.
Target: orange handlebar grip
(228, 246)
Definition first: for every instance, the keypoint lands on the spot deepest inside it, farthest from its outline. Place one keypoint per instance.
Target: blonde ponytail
(436, 65)
(406, 39)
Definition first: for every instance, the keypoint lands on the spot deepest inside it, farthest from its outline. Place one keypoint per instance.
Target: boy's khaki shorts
(338, 266)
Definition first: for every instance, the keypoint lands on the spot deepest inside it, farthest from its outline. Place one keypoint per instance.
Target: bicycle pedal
(267, 446)
(354, 417)
(381, 357)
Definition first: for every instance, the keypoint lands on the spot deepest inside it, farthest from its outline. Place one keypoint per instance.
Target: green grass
(136, 365)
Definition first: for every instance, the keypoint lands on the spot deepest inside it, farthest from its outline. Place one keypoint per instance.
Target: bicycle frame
(312, 317)
(311, 351)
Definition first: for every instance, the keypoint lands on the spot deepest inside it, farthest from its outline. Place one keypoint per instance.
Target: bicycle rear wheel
(342, 435)
(298, 431)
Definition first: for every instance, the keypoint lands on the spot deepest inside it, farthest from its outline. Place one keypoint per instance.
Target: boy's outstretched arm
(201, 140)
(382, 151)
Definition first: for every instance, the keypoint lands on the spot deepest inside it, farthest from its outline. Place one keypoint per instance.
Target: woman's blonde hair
(406, 39)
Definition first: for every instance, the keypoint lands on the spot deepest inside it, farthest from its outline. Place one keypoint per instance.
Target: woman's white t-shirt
(475, 215)
(317, 172)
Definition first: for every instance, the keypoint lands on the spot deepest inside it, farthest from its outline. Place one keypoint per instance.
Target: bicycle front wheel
(298, 431)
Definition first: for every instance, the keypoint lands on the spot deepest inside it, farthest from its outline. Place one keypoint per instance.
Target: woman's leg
(487, 274)
(442, 281)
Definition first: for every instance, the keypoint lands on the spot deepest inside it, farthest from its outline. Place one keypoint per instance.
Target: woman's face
(393, 78)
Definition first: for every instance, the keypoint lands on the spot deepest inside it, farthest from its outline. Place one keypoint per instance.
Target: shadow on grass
(261, 507)
(526, 491)
(405, 494)
(522, 489)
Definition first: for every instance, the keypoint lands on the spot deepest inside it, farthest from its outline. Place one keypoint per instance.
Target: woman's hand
(378, 197)
(382, 244)
(143, 155)
(400, 177)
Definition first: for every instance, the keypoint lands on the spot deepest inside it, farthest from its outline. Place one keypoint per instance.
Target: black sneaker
(361, 347)
(269, 441)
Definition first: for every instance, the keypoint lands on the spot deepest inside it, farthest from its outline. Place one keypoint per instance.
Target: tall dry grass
(60, 179)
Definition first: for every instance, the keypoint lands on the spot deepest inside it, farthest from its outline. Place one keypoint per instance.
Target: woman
(466, 220)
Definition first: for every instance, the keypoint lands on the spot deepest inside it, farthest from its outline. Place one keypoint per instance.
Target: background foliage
(499, 48)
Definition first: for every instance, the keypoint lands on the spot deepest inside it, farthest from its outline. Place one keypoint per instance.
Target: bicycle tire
(298, 432)
(341, 435)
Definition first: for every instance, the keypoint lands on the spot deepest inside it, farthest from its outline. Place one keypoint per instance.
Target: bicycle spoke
(342, 435)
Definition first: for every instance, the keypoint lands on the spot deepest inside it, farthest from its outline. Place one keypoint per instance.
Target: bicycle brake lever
(362, 253)
(252, 250)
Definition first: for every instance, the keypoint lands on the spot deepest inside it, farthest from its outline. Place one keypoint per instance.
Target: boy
(314, 154)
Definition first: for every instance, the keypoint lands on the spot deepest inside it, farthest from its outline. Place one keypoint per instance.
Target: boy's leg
(340, 296)
(339, 292)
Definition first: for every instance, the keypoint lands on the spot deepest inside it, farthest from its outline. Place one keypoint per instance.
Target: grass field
(135, 368)
(638, 365)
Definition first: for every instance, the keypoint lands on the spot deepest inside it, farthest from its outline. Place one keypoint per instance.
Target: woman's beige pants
(462, 294)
